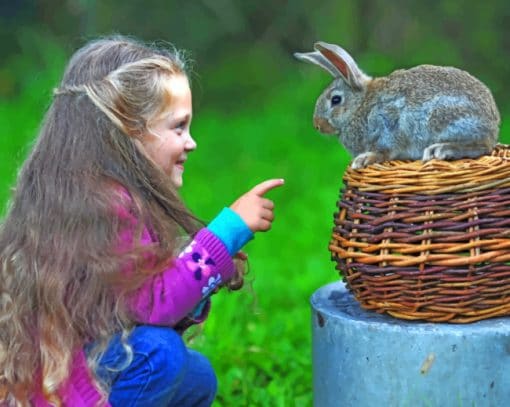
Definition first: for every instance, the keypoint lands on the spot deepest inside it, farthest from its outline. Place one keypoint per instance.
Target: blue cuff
(231, 230)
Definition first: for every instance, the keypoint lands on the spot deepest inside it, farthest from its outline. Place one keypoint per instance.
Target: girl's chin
(176, 180)
(176, 176)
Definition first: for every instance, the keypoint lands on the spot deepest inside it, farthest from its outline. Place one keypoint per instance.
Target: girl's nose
(190, 143)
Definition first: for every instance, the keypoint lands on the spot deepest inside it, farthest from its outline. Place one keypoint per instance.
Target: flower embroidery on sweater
(199, 262)
(212, 283)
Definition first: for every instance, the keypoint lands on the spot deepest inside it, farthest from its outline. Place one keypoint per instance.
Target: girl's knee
(202, 364)
(202, 370)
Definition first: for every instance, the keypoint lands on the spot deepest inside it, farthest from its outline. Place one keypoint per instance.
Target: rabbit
(425, 112)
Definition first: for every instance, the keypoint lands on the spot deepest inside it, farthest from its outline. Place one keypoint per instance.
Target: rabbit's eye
(336, 100)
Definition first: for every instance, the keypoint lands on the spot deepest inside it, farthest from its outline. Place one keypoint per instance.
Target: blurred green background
(253, 104)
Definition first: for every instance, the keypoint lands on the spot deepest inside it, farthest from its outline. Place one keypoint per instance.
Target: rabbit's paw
(440, 151)
(365, 159)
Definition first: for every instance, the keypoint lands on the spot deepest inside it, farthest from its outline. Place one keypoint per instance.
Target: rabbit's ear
(318, 59)
(344, 63)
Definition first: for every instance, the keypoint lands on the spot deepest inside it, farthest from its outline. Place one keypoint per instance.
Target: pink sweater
(165, 299)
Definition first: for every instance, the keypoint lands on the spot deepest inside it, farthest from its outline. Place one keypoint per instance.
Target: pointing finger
(266, 186)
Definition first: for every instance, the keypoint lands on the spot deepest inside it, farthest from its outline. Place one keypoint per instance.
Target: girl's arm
(169, 296)
(183, 287)
(173, 294)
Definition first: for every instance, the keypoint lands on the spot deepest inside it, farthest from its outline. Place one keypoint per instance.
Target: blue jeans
(163, 372)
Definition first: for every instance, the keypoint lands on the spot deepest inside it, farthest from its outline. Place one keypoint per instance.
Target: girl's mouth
(180, 164)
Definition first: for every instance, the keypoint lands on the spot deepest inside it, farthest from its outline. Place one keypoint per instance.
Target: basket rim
(435, 176)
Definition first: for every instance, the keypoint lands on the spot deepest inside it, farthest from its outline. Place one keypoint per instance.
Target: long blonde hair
(58, 261)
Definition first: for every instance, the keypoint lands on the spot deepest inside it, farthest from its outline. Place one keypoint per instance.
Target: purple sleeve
(167, 297)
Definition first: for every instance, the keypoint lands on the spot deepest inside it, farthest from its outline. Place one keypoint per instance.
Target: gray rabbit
(423, 113)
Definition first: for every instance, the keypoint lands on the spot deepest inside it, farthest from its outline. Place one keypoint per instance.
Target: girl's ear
(344, 64)
(318, 59)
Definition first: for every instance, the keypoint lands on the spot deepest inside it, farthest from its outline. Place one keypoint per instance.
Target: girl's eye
(336, 100)
(181, 125)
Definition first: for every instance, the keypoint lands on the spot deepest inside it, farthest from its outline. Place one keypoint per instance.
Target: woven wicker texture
(428, 241)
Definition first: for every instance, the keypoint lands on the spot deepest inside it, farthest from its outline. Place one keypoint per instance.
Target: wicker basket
(427, 241)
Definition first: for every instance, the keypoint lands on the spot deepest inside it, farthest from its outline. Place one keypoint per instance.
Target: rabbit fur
(422, 113)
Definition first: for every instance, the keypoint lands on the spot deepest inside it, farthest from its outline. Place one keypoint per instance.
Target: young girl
(95, 284)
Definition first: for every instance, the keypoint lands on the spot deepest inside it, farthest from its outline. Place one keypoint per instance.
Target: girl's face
(170, 141)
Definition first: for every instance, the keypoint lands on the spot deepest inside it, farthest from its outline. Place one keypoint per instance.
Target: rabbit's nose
(321, 124)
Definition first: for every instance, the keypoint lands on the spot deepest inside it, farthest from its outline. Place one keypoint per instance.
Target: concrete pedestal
(361, 358)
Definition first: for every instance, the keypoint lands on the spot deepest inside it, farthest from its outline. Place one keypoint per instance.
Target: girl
(95, 285)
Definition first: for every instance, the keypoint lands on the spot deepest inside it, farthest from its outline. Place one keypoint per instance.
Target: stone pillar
(364, 359)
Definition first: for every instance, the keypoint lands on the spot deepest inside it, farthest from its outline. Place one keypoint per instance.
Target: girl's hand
(255, 210)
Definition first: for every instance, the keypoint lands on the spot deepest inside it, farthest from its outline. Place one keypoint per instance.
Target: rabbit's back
(430, 85)
(411, 109)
